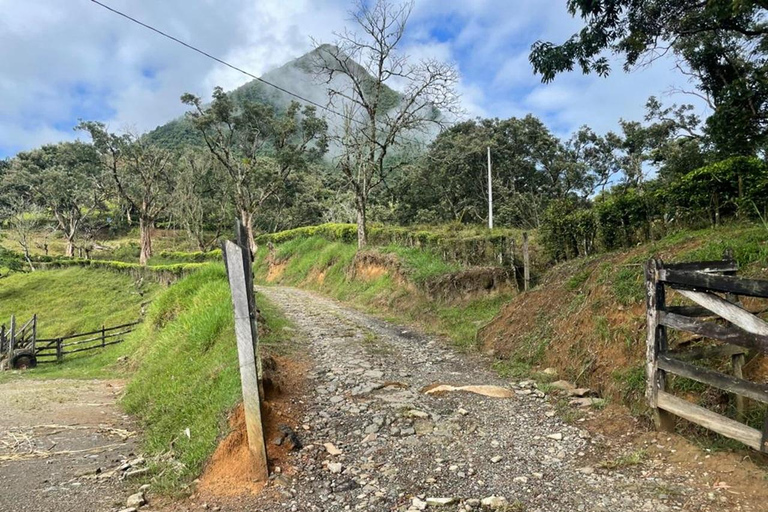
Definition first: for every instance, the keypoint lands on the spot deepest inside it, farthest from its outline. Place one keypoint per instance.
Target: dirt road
(402, 449)
(59, 440)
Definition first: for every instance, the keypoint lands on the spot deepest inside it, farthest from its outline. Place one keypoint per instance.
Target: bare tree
(387, 101)
(23, 220)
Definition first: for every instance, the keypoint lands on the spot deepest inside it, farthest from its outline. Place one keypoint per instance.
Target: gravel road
(401, 449)
(59, 442)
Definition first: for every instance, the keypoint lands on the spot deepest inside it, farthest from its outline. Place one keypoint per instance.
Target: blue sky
(68, 60)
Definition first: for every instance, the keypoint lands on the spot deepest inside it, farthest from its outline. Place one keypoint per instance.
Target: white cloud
(63, 60)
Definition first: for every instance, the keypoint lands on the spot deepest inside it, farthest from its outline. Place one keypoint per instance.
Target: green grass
(421, 264)
(187, 373)
(306, 258)
(73, 300)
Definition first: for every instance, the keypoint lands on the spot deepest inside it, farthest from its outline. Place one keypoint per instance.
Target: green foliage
(567, 231)
(721, 42)
(623, 217)
(735, 186)
(456, 243)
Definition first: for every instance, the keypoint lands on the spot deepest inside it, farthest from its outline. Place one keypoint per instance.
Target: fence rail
(50, 350)
(717, 314)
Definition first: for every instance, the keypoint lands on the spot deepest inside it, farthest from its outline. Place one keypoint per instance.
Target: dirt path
(59, 440)
(401, 448)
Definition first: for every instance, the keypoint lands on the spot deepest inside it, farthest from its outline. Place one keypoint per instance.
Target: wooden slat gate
(715, 291)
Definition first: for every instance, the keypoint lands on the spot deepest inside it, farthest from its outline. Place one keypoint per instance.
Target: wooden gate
(13, 338)
(717, 314)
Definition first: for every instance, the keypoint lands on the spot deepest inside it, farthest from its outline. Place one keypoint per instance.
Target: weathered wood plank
(711, 420)
(698, 281)
(719, 380)
(704, 266)
(727, 334)
(249, 379)
(737, 361)
(731, 312)
(656, 342)
(694, 354)
(689, 311)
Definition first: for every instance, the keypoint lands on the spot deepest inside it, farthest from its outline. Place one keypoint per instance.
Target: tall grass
(186, 372)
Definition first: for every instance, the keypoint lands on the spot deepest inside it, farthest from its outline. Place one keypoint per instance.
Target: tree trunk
(145, 230)
(70, 246)
(362, 226)
(246, 218)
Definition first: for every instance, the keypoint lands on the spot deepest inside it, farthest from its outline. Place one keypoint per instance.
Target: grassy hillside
(587, 318)
(181, 363)
(73, 300)
(186, 373)
(393, 280)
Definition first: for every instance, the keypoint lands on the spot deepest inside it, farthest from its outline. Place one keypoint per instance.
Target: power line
(213, 57)
(232, 66)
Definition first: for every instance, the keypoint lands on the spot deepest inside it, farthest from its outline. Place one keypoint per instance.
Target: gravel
(401, 449)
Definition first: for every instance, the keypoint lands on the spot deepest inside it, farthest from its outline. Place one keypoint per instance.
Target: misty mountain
(298, 76)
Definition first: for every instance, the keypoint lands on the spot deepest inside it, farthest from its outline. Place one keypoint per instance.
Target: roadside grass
(321, 265)
(186, 376)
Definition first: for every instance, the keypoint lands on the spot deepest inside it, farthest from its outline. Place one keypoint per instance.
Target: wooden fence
(717, 314)
(53, 350)
(14, 338)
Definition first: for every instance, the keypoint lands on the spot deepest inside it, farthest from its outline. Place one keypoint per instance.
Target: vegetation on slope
(587, 317)
(389, 280)
(73, 300)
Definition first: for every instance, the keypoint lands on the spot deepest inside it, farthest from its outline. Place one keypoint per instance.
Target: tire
(24, 362)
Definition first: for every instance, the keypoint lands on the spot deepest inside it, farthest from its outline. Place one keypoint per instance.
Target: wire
(232, 66)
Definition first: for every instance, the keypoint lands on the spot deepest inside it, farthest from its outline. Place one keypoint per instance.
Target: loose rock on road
(373, 440)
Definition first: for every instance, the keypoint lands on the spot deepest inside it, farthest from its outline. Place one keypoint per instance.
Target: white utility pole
(490, 192)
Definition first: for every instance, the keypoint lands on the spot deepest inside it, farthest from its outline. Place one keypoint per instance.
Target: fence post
(512, 259)
(656, 341)
(237, 272)
(59, 350)
(103, 336)
(34, 332)
(12, 339)
(526, 263)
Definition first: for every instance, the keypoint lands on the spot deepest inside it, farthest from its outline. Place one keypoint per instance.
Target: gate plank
(711, 420)
(729, 311)
(728, 383)
(727, 334)
(714, 282)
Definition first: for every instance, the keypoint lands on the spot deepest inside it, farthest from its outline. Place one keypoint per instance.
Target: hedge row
(164, 274)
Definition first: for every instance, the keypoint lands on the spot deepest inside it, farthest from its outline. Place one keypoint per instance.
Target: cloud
(67, 60)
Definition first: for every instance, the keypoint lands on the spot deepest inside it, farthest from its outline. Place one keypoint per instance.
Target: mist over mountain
(300, 76)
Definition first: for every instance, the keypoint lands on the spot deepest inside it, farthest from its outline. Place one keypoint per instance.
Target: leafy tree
(66, 179)
(720, 44)
(144, 176)
(733, 186)
(359, 69)
(530, 167)
(258, 147)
